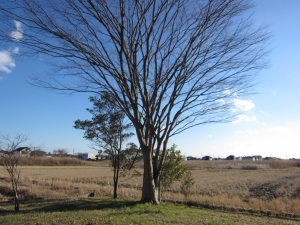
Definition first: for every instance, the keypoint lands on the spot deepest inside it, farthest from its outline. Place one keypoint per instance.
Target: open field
(242, 185)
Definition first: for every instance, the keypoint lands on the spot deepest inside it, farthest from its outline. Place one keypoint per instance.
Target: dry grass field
(272, 186)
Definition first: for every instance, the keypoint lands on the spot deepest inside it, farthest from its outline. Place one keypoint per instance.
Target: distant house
(253, 158)
(231, 157)
(249, 158)
(257, 158)
(207, 158)
(22, 151)
(87, 156)
(272, 158)
(191, 158)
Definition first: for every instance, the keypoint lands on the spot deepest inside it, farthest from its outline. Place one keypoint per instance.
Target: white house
(22, 151)
(257, 158)
(87, 156)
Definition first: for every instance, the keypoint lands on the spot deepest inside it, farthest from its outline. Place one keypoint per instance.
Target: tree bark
(115, 190)
(15, 190)
(116, 177)
(17, 204)
(149, 191)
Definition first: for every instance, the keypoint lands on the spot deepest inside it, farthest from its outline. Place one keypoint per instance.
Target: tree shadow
(64, 205)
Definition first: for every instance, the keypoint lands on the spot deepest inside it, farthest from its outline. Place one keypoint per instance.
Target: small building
(231, 157)
(207, 158)
(249, 158)
(87, 156)
(191, 158)
(257, 158)
(22, 151)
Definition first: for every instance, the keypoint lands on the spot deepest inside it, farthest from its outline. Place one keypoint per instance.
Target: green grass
(92, 211)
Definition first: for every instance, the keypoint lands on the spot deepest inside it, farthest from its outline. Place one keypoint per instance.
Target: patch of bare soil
(284, 187)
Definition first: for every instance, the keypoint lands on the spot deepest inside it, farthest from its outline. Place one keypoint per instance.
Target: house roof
(22, 148)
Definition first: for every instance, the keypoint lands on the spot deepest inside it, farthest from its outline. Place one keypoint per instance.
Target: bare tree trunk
(17, 204)
(116, 181)
(115, 189)
(149, 191)
(16, 197)
(116, 178)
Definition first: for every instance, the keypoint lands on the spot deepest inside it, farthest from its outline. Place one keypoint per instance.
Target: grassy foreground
(92, 211)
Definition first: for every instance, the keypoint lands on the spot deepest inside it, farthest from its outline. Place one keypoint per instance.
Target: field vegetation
(265, 187)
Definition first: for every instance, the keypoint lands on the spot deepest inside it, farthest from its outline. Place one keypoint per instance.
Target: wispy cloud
(18, 33)
(243, 118)
(263, 112)
(242, 105)
(6, 60)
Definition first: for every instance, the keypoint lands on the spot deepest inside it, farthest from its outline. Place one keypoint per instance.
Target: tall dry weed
(51, 161)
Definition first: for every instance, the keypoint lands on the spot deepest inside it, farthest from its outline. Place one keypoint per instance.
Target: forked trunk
(149, 191)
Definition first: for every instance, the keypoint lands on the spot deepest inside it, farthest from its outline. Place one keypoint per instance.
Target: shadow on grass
(63, 205)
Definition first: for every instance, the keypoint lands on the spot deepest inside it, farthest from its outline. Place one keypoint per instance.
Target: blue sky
(269, 127)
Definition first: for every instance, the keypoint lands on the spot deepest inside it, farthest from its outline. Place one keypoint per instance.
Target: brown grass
(249, 185)
(230, 164)
(51, 161)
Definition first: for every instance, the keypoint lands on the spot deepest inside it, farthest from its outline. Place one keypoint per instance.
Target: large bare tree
(170, 64)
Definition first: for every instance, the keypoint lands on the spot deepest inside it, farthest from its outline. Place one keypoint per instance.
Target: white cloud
(6, 61)
(227, 92)
(243, 118)
(277, 141)
(242, 105)
(18, 33)
(263, 112)
(15, 50)
(210, 136)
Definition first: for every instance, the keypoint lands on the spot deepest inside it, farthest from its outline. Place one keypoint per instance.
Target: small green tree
(108, 130)
(10, 162)
(187, 184)
(172, 170)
